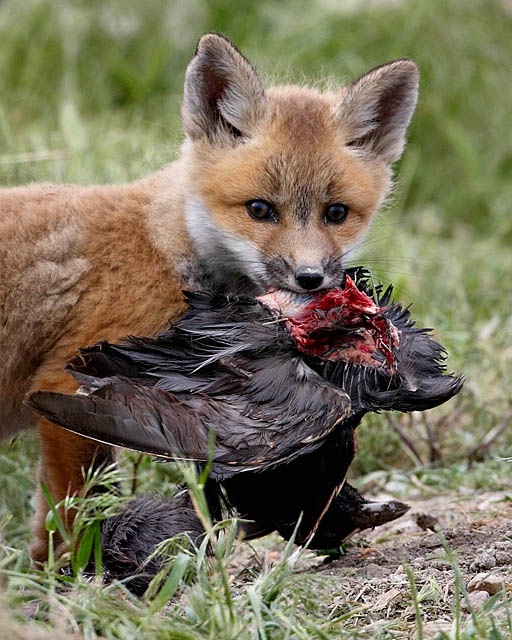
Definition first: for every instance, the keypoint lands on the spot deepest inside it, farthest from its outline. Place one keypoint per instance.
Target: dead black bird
(282, 381)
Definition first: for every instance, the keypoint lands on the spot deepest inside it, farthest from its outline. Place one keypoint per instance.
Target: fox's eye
(261, 210)
(335, 213)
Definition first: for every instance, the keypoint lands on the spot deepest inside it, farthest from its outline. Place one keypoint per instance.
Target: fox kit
(274, 188)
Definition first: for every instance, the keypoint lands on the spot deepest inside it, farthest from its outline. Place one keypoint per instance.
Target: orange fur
(82, 264)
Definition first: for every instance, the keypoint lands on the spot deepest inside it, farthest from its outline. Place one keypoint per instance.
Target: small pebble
(477, 599)
(487, 583)
(426, 521)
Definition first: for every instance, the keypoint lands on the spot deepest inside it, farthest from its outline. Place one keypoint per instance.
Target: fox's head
(283, 182)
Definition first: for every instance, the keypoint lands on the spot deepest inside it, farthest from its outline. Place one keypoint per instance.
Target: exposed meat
(338, 324)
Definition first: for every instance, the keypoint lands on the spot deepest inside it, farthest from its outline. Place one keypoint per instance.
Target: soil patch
(440, 538)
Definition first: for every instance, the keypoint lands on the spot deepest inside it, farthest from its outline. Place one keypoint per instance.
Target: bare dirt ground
(477, 531)
(437, 538)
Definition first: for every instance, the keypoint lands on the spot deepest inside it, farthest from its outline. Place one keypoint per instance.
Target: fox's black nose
(309, 277)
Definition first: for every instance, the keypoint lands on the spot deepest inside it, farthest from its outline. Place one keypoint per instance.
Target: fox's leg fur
(80, 454)
(64, 459)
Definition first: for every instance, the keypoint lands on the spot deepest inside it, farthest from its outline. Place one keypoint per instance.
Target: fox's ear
(374, 112)
(224, 97)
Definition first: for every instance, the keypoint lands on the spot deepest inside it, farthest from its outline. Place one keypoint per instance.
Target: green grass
(90, 92)
(209, 596)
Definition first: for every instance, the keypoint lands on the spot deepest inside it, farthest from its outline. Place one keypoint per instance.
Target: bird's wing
(253, 428)
(128, 414)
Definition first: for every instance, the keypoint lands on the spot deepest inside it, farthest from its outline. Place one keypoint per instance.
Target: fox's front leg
(64, 459)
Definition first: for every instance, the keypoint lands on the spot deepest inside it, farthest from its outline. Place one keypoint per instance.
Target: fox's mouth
(337, 324)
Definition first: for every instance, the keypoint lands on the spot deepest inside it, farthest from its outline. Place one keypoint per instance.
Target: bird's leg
(350, 512)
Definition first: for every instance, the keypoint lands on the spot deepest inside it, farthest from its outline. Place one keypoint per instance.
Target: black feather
(264, 407)
(283, 422)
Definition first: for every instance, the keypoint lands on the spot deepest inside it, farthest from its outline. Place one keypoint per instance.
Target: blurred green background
(90, 92)
(72, 71)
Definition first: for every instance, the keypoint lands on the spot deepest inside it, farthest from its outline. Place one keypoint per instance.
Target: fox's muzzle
(309, 278)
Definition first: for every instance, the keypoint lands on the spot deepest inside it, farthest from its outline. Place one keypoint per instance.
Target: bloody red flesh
(341, 324)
